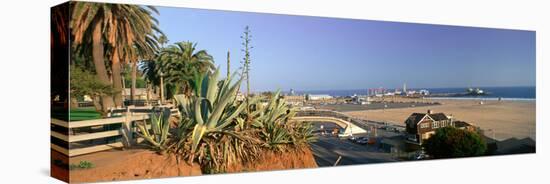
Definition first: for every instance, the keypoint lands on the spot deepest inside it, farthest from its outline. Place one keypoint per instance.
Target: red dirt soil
(144, 164)
(129, 165)
(270, 160)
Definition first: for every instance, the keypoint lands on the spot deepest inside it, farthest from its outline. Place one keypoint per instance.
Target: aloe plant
(158, 135)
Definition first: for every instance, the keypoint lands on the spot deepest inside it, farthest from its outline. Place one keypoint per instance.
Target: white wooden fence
(126, 131)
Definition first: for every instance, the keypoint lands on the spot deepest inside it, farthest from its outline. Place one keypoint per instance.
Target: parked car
(352, 138)
(421, 156)
(362, 140)
(389, 128)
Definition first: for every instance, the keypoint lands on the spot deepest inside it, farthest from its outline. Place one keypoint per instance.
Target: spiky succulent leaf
(157, 136)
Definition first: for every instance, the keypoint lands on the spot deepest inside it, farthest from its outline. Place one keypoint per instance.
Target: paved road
(327, 149)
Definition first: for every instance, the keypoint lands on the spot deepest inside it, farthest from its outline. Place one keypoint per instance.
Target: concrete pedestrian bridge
(342, 120)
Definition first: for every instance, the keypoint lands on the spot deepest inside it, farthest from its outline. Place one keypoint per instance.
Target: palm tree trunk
(134, 78)
(117, 78)
(100, 69)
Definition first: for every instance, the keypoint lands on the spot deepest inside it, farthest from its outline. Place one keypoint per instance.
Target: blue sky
(315, 53)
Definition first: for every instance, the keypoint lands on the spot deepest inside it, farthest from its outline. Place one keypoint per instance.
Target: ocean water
(508, 93)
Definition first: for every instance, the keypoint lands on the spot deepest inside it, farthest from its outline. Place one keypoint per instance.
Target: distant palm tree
(150, 72)
(146, 52)
(125, 30)
(162, 40)
(150, 69)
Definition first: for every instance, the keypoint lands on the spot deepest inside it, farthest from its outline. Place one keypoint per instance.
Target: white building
(141, 94)
(424, 92)
(319, 97)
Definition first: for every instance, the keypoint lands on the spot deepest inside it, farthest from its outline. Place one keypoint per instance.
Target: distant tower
(291, 92)
(404, 87)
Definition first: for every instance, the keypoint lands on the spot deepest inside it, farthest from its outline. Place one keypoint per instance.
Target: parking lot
(329, 147)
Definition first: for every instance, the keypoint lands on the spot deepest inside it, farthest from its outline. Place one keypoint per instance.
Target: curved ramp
(330, 116)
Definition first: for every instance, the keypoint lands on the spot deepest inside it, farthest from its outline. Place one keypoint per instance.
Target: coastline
(505, 119)
(482, 98)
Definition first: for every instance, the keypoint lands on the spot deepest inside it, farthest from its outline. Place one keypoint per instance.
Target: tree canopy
(84, 82)
(450, 142)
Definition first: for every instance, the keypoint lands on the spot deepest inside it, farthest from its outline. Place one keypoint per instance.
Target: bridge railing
(326, 113)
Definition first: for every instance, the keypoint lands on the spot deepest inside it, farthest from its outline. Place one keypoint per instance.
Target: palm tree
(180, 61)
(90, 32)
(122, 28)
(151, 74)
(59, 44)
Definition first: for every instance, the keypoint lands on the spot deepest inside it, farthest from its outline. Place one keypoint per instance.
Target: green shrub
(82, 165)
(450, 142)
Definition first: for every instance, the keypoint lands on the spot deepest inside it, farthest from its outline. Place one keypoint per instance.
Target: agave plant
(158, 135)
(272, 120)
(276, 111)
(215, 131)
(211, 109)
(276, 136)
(301, 133)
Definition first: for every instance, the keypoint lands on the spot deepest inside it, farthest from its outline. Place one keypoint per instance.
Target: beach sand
(507, 118)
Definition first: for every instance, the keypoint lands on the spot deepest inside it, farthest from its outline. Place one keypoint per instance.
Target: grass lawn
(84, 113)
